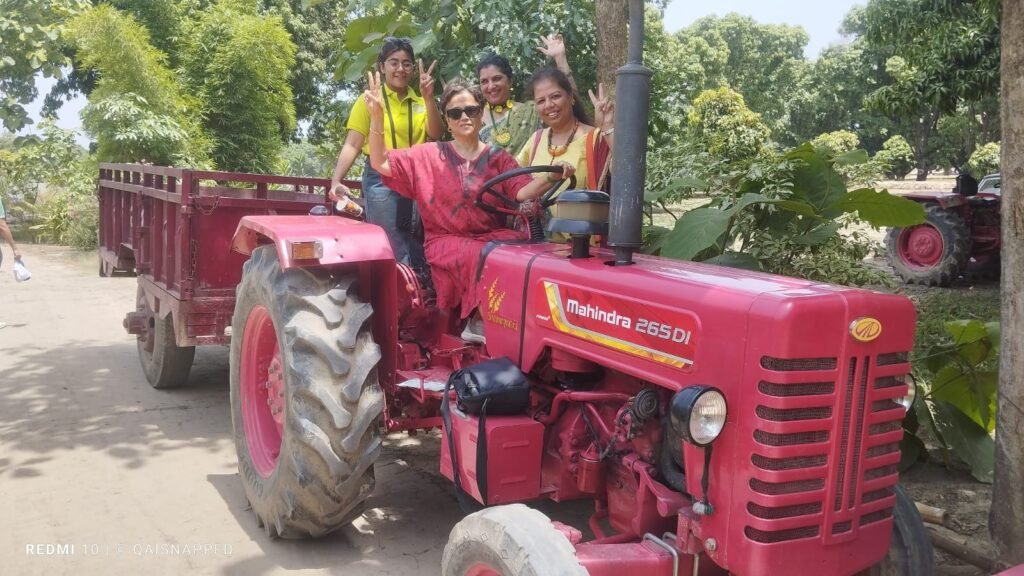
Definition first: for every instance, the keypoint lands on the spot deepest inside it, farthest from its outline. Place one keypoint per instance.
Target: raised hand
(427, 80)
(604, 108)
(372, 96)
(553, 46)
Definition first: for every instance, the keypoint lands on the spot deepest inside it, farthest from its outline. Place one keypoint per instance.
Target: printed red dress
(455, 230)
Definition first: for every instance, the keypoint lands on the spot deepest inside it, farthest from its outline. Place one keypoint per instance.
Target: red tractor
(961, 235)
(721, 421)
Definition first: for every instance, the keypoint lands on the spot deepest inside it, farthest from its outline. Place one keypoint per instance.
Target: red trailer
(173, 228)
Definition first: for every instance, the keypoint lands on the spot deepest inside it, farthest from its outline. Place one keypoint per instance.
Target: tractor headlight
(698, 414)
(908, 401)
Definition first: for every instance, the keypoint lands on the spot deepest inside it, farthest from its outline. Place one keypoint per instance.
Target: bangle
(372, 131)
(608, 132)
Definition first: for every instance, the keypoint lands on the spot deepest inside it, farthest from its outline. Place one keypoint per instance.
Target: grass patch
(937, 306)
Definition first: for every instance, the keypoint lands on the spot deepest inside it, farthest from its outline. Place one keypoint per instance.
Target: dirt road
(100, 474)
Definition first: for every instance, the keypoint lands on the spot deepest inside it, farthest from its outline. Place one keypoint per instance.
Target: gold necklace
(556, 151)
(502, 135)
(501, 108)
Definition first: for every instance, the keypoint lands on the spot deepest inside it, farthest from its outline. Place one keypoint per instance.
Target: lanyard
(387, 106)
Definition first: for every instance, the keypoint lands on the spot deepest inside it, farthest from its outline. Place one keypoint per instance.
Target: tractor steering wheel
(509, 207)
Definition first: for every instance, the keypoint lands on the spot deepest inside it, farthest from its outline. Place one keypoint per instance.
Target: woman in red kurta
(444, 178)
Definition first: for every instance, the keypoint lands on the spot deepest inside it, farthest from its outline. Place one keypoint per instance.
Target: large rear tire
(305, 401)
(165, 364)
(931, 254)
(910, 551)
(511, 540)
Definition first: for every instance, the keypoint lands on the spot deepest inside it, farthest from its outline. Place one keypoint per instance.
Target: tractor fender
(343, 241)
(946, 201)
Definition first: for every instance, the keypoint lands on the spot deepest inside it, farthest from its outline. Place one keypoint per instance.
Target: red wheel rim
(482, 569)
(262, 390)
(921, 246)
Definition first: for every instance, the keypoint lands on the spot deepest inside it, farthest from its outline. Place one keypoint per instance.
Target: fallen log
(972, 550)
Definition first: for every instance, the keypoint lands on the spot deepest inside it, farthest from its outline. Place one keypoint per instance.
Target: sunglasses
(471, 111)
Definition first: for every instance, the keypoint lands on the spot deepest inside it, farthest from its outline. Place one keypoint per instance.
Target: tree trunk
(1006, 519)
(612, 46)
(921, 148)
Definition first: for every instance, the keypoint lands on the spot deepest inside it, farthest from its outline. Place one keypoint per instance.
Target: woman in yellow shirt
(570, 135)
(409, 119)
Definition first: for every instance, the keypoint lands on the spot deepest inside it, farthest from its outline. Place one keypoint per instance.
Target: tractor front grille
(827, 435)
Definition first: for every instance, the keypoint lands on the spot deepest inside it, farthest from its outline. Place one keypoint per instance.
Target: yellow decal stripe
(563, 325)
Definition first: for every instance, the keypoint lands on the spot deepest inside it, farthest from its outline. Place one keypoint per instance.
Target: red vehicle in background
(721, 421)
(961, 235)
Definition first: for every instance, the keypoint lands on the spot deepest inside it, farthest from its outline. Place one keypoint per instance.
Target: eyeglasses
(471, 111)
(395, 64)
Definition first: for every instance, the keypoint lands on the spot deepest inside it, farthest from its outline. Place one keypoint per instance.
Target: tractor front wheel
(931, 254)
(511, 540)
(165, 364)
(305, 401)
(910, 551)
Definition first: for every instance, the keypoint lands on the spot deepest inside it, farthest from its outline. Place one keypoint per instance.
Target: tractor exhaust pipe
(629, 160)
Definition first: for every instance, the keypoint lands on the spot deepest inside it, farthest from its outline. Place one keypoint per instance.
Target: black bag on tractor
(497, 387)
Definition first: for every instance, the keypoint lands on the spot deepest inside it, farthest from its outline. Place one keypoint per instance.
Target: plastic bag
(21, 272)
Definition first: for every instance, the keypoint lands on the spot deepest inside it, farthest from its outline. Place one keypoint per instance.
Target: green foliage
(239, 63)
(138, 110)
(29, 46)
(763, 62)
(306, 159)
(721, 122)
(838, 142)
(985, 160)
(783, 215)
(957, 390)
(896, 158)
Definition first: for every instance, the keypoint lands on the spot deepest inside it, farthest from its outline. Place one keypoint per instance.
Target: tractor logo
(495, 297)
(865, 329)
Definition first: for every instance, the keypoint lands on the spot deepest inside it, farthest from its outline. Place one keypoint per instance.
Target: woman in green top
(409, 119)
(508, 123)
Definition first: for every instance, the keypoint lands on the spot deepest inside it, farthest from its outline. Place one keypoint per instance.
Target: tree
(1005, 518)
(239, 63)
(985, 160)
(138, 110)
(896, 157)
(837, 143)
(612, 37)
(939, 55)
(765, 62)
(29, 46)
(721, 121)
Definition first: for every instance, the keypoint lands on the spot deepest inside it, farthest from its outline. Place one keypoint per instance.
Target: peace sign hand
(372, 96)
(427, 80)
(604, 108)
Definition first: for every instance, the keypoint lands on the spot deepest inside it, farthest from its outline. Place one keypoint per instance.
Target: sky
(820, 19)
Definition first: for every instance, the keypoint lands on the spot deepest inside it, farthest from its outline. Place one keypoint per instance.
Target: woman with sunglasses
(570, 135)
(507, 123)
(409, 119)
(444, 178)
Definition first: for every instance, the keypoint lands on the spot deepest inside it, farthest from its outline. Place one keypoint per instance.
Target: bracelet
(372, 131)
(608, 132)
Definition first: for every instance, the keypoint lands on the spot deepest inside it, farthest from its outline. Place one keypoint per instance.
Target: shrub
(985, 160)
(896, 158)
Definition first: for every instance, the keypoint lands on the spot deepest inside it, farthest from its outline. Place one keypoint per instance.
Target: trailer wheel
(931, 254)
(511, 540)
(165, 364)
(305, 401)
(910, 552)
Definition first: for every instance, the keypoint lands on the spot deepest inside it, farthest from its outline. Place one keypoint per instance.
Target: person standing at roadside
(409, 119)
(5, 234)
